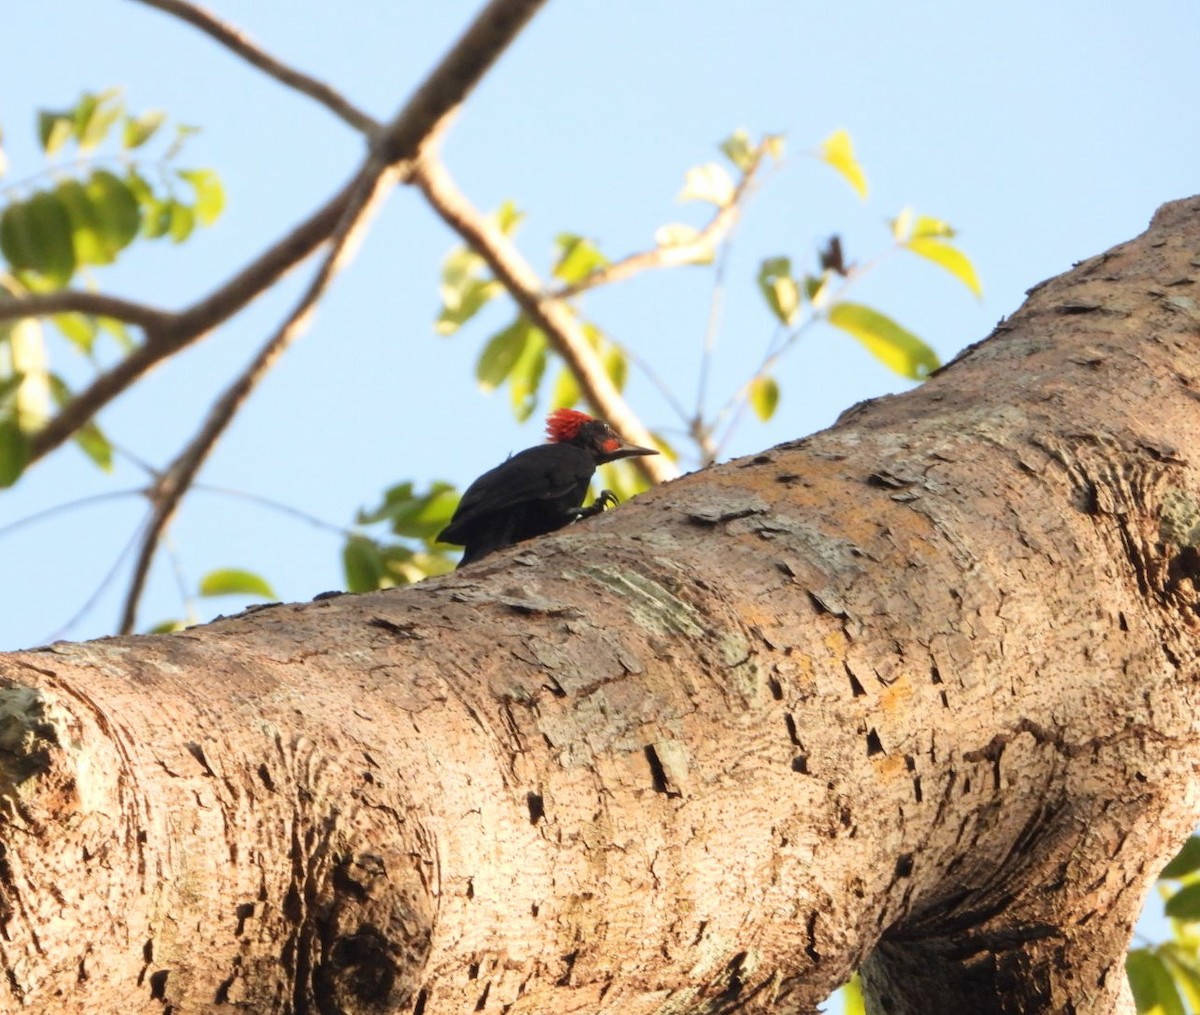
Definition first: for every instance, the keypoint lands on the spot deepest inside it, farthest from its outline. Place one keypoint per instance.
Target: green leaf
(183, 221)
(232, 581)
(95, 445)
(1185, 861)
(764, 397)
(95, 115)
(54, 129)
(1153, 989)
(887, 341)
(140, 129)
(926, 225)
(616, 365)
(91, 245)
(779, 288)
(167, 627)
(16, 240)
(156, 219)
(14, 451)
(838, 151)
(79, 329)
(210, 195)
(464, 290)
(362, 563)
(852, 997)
(738, 149)
(1181, 963)
(577, 258)
(35, 235)
(56, 249)
(1185, 903)
(118, 215)
(118, 331)
(507, 217)
(501, 353)
(565, 392)
(947, 256)
(415, 515)
(526, 375)
(710, 182)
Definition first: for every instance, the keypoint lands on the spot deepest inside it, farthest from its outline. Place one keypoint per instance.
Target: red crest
(563, 424)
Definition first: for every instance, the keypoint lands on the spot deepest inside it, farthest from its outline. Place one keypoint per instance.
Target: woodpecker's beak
(620, 448)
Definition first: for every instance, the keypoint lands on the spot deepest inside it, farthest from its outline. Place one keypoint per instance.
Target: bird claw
(606, 499)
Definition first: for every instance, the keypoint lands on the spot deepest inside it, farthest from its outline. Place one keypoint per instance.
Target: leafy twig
(697, 249)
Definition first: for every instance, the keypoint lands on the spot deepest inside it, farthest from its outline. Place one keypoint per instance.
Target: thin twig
(58, 509)
(274, 505)
(94, 598)
(252, 53)
(552, 315)
(372, 186)
(700, 431)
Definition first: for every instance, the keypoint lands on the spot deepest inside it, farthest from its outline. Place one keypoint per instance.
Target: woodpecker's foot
(606, 499)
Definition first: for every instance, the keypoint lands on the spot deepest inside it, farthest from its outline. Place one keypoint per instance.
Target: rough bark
(916, 694)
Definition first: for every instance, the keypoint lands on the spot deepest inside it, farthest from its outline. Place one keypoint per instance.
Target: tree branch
(551, 314)
(78, 301)
(368, 192)
(252, 53)
(492, 31)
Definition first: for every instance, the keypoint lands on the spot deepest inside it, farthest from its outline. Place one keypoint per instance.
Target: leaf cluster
(1165, 978)
(99, 193)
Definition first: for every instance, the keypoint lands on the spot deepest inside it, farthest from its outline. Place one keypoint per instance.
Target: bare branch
(368, 193)
(252, 53)
(79, 301)
(551, 314)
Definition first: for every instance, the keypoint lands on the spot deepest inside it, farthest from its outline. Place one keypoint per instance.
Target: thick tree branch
(917, 690)
(168, 492)
(252, 53)
(552, 315)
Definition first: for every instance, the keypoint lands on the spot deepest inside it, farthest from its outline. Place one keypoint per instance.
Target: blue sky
(1044, 132)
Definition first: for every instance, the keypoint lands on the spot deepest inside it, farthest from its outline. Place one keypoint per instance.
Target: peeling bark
(916, 694)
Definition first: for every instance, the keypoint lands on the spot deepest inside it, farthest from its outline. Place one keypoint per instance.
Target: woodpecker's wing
(543, 473)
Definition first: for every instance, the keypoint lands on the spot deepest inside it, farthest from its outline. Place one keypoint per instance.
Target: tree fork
(915, 694)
